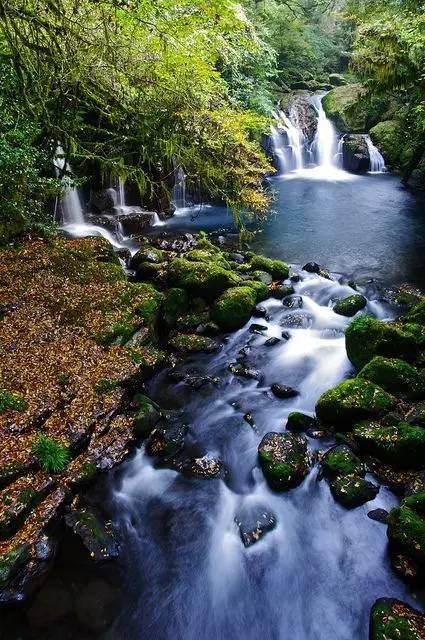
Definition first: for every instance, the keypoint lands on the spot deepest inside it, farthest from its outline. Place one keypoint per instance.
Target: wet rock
(234, 307)
(355, 154)
(260, 312)
(167, 440)
(254, 523)
(351, 401)
(132, 224)
(237, 257)
(348, 307)
(341, 461)
(276, 268)
(192, 380)
(258, 328)
(245, 372)
(300, 422)
(281, 291)
(401, 444)
(285, 459)
(147, 417)
(96, 606)
(206, 279)
(406, 528)
(283, 392)
(293, 302)
(312, 267)
(261, 276)
(392, 619)
(250, 420)
(204, 467)
(379, 515)
(285, 335)
(272, 342)
(95, 532)
(300, 320)
(187, 343)
(406, 568)
(147, 254)
(395, 376)
(352, 491)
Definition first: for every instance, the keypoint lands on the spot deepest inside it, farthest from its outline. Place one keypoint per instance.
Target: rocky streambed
(234, 441)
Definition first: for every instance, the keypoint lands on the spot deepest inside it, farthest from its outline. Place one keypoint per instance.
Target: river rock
(285, 459)
(95, 532)
(395, 376)
(392, 619)
(234, 308)
(379, 515)
(96, 606)
(260, 312)
(300, 422)
(258, 328)
(312, 267)
(400, 444)
(166, 440)
(283, 392)
(348, 307)
(355, 154)
(352, 491)
(204, 467)
(244, 371)
(41, 613)
(147, 417)
(293, 302)
(254, 523)
(406, 528)
(272, 342)
(280, 291)
(341, 461)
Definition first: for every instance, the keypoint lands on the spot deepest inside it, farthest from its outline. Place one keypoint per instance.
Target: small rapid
(316, 573)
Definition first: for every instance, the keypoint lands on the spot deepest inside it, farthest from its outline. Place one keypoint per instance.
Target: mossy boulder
(352, 491)
(350, 306)
(416, 315)
(192, 343)
(234, 307)
(261, 290)
(393, 375)
(367, 337)
(11, 562)
(341, 106)
(337, 80)
(276, 268)
(351, 401)
(388, 136)
(341, 461)
(147, 417)
(394, 620)
(261, 276)
(150, 255)
(298, 421)
(285, 459)
(406, 528)
(176, 304)
(401, 445)
(205, 279)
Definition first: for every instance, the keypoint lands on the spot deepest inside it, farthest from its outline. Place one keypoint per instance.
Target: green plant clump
(11, 401)
(52, 455)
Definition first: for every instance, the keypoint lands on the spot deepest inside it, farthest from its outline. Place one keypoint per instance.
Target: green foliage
(52, 455)
(11, 401)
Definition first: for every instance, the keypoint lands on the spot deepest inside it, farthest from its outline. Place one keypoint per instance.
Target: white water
(377, 162)
(72, 211)
(289, 142)
(121, 192)
(179, 189)
(319, 571)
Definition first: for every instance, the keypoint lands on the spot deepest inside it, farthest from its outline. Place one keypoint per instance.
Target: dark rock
(280, 291)
(379, 515)
(204, 467)
(406, 568)
(352, 491)
(272, 342)
(355, 154)
(285, 459)
(254, 524)
(341, 461)
(95, 532)
(312, 267)
(42, 613)
(293, 302)
(294, 320)
(237, 257)
(348, 307)
(249, 419)
(192, 380)
(260, 312)
(133, 224)
(300, 422)
(103, 200)
(166, 441)
(245, 372)
(283, 392)
(285, 335)
(147, 417)
(258, 328)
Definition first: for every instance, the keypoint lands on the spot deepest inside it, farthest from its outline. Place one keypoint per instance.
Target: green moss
(233, 309)
(401, 444)
(390, 140)
(189, 343)
(350, 306)
(278, 269)
(299, 421)
(176, 304)
(261, 290)
(10, 563)
(204, 243)
(341, 461)
(394, 620)
(416, 315)
(352, 491)
(11, 401)
(367, 337)
(118, 333)
(393, 375)
(406, 529)
(416, 502)
(205, 279)
(353, 400)
(284, 459)
(52, 455)
(342, 107)
(105, 385)
(147, 255)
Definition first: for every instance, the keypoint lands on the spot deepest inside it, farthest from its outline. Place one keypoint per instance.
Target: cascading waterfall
(325, 142)
(377, 162)
(121, 192)
(179, 189)
(72, 211)
(288, 142)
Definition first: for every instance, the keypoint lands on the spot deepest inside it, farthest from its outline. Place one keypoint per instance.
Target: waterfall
(179, 189)
(325, 142)
(288, 142)
(339, 158)
(72, 211)
(121, 192)
(377, 162)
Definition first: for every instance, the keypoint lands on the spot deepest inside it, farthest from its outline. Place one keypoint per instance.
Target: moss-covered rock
(337, 80)
(261, 290)
(350, 306)
(402, 444)
(406, 530)
(388, 136)
(298, 421)
(233, 309)
(147, 417)
(204, 255)
(393, 375)
(367, 337)
(352, 491)
(205, 279)
(341, 461)
(416, 315)
(176, 304)
(394, 620)
(340, 107)
(10, 563)
(276, 268)
(150, 255)
(285, 459)
(262, 276)
(351, 401)
(191, 343)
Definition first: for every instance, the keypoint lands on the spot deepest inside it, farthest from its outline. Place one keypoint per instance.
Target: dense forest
(133, 89)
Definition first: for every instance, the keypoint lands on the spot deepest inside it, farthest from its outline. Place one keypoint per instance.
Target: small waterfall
(72, 211)
(288, 142)
(339, 158)
(179, 189)
(121, 192)
(377, 162)
(325, 142)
